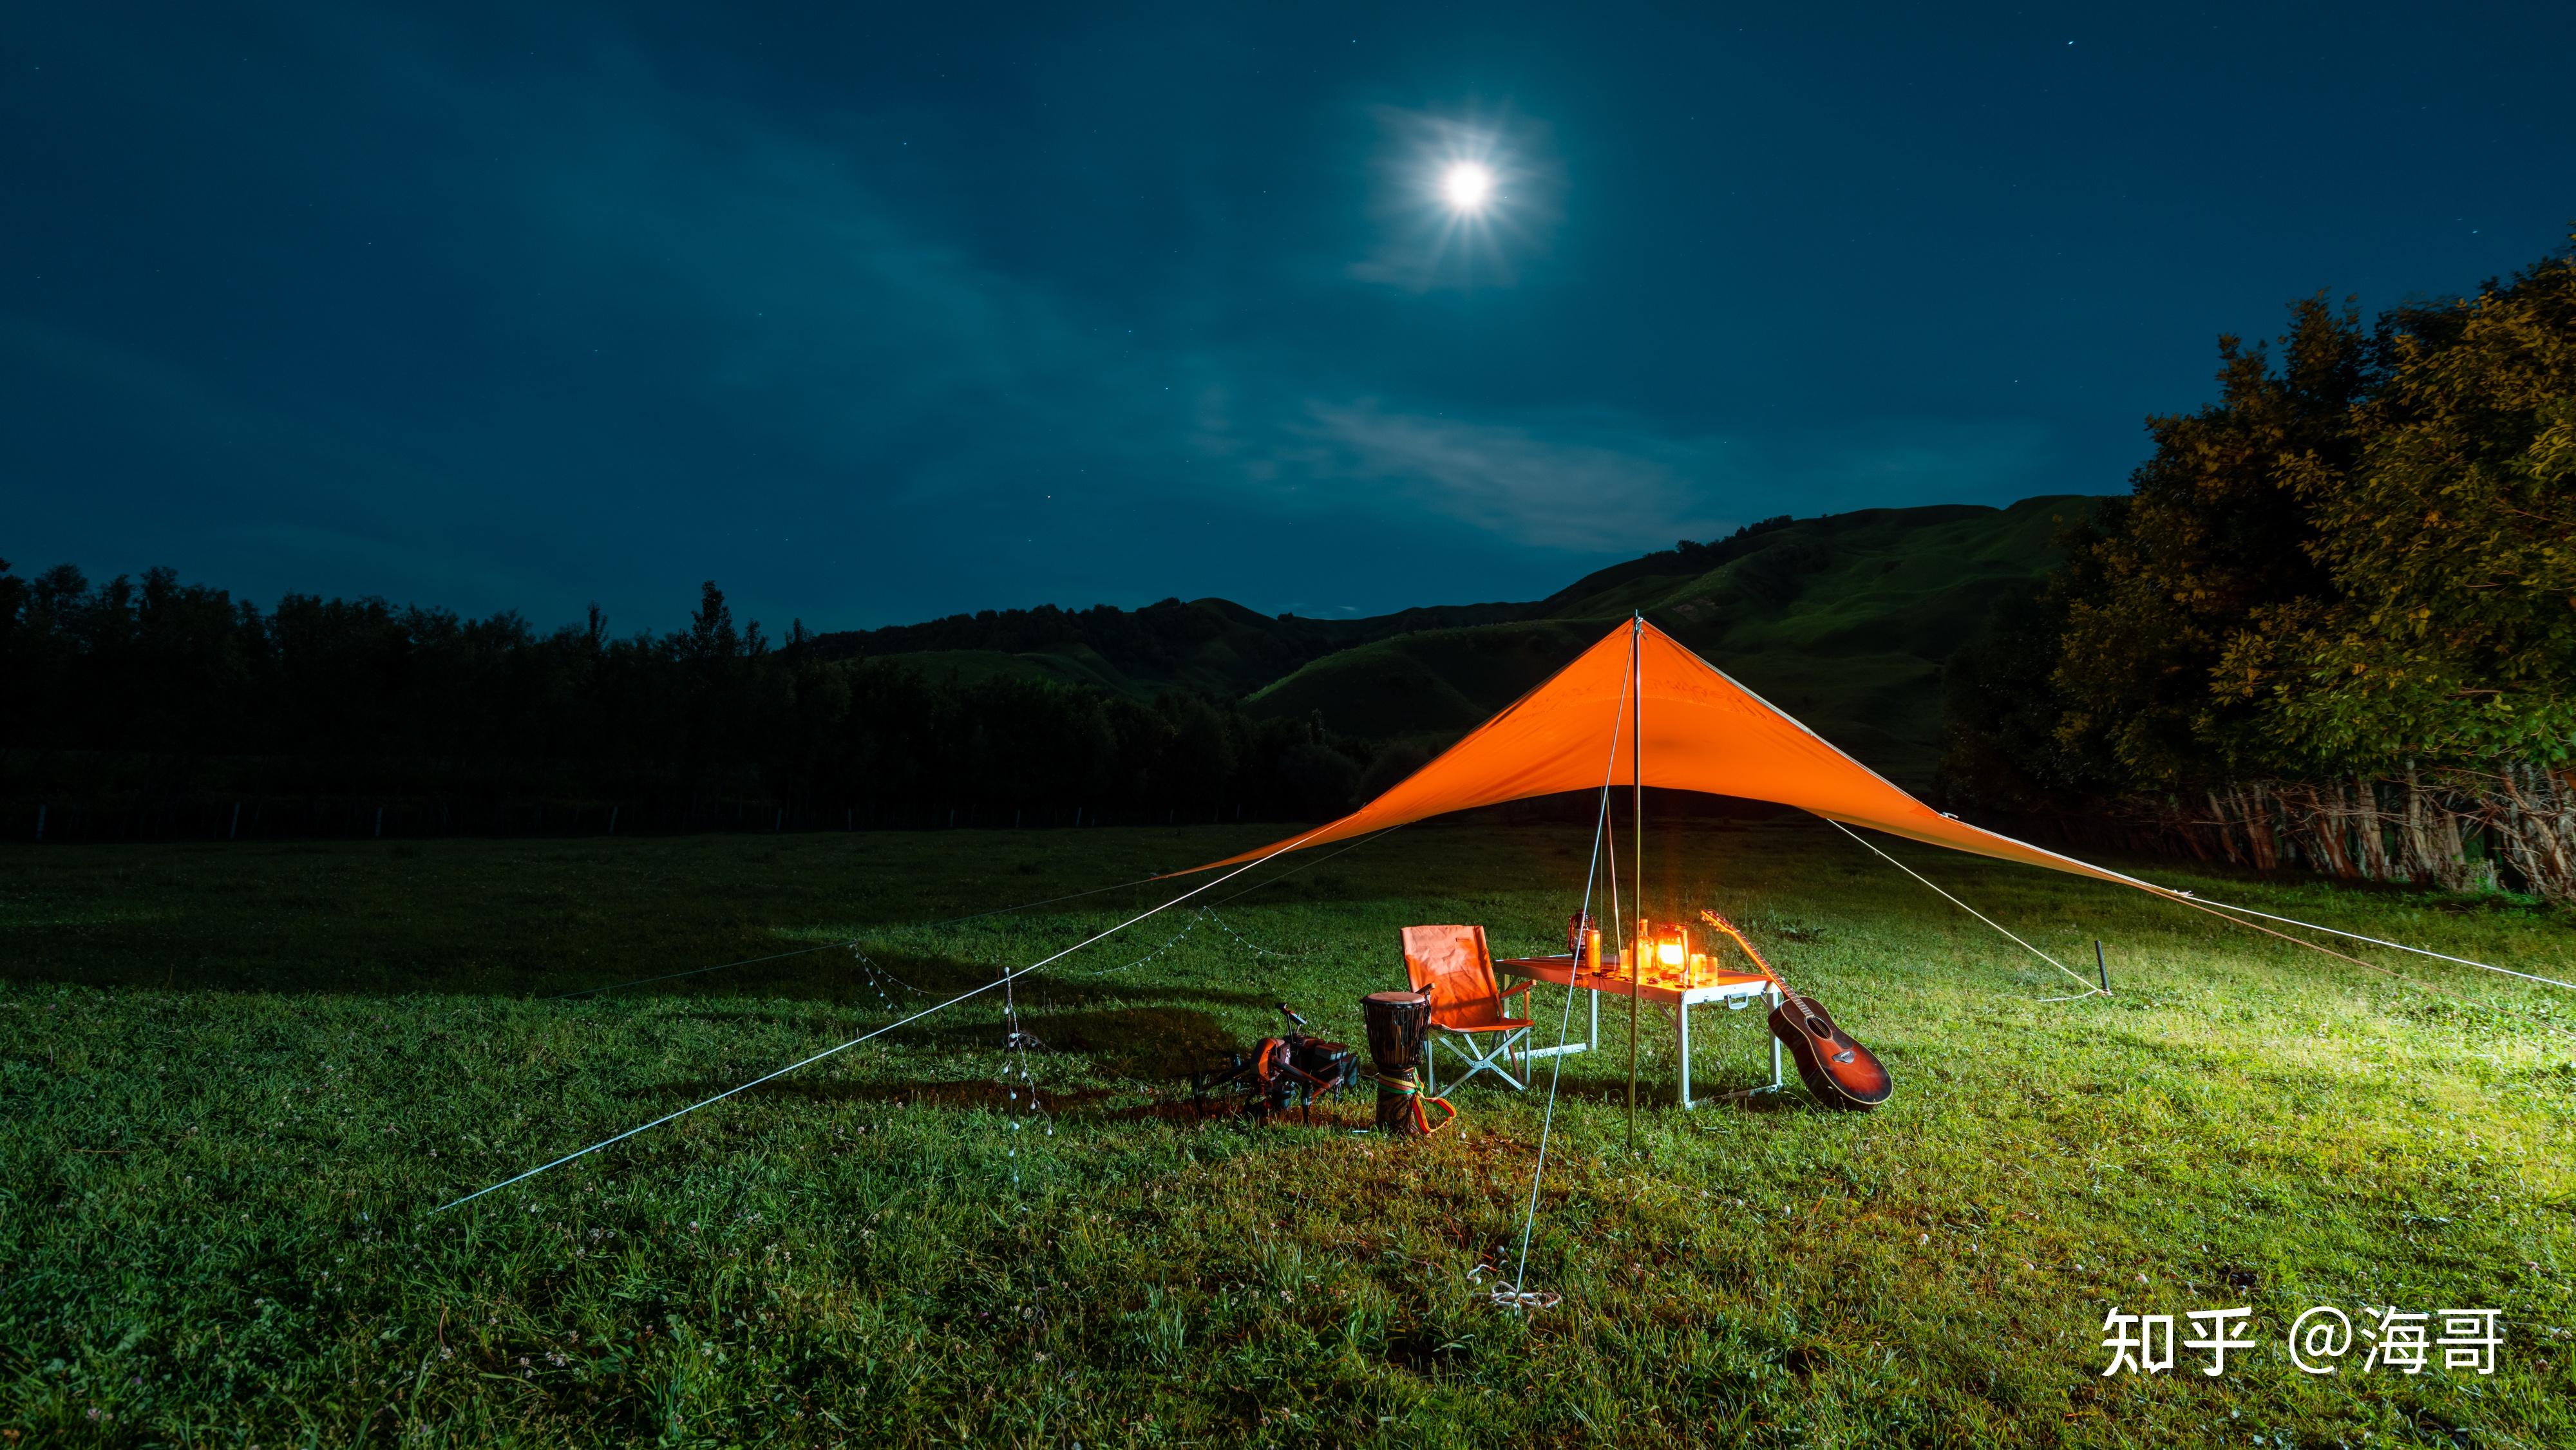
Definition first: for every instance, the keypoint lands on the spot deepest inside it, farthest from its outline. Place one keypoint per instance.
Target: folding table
(1666, 986)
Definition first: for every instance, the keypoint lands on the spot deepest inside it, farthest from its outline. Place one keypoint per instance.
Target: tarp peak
(1701, 730)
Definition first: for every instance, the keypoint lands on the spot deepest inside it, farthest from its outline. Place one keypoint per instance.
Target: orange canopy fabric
(1702, 732)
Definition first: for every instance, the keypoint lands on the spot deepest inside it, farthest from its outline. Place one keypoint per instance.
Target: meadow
(236, 1082)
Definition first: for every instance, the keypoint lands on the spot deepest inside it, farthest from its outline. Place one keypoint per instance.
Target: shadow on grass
(828, 975)
(1740, 1092)
(1170, 1104)
(909, 982)
(921, 987)
(1152, 1046)
(970, 1095)
(1156, 1042)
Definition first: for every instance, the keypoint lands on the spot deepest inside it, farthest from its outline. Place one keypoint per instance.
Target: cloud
(1584, 497)
(1591, 484)
(781, 298)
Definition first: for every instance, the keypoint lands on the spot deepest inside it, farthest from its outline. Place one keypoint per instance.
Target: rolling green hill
(1214, 646)
(1844, 621)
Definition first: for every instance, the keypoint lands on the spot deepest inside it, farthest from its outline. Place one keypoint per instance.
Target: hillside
(1843, 621)
(1211, 645)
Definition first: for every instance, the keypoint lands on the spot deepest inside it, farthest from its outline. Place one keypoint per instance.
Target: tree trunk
(2454, 850)
(2369, 836)
(2255, 804)
(2178, 822)
(2539, 830)
(2345, 829)
(2226, 829)
(2429, 838)
(2317, 820)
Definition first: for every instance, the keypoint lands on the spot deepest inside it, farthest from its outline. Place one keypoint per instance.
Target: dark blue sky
(877, 313)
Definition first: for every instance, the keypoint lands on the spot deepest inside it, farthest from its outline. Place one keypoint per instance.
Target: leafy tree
(2447, 637)
(2214, 530)
(2449, 631)
(2339, 608)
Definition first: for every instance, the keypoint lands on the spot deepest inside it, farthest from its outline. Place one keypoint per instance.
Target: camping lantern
(1672, 949)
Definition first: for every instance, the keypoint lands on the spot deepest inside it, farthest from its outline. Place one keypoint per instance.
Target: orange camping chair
(1452, 966)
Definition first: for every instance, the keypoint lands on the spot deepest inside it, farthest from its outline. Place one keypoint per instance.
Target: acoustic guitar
(1839, 1071)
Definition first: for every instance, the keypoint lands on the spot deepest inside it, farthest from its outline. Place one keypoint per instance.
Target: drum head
(1397, 1023)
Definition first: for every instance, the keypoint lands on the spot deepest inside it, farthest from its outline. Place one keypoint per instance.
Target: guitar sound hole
(1817, 1027)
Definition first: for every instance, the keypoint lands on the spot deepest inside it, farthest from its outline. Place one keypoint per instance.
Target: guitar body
(1839, 1071)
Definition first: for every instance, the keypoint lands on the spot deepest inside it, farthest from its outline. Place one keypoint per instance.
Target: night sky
(876, 313)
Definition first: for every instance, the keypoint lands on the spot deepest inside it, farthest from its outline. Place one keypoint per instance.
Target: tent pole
(1637, 777)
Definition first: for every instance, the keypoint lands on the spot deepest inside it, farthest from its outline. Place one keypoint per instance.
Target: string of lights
(1149, 956)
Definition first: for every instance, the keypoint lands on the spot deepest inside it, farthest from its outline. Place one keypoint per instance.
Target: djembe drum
(1397, 1023)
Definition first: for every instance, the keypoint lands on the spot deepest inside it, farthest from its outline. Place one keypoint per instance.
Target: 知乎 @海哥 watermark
(2400, 1341)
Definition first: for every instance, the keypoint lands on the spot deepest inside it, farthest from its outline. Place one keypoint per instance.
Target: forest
(164, 696)
(158, 708)
(2333, 624)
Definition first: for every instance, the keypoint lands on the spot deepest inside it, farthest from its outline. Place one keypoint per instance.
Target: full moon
(1466, 186)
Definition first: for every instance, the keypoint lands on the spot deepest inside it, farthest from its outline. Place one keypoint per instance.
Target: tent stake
(2101, 966)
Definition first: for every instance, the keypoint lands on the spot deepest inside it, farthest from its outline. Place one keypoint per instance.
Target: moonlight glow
(1466, 186)
(1461, 200)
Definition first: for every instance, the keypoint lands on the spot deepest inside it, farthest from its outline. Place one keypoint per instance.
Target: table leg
(1773, 995)
(1681, 1028)
(1592, 1034)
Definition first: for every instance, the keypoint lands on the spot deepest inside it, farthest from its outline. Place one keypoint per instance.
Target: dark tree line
(160, 690)
(2334, 624)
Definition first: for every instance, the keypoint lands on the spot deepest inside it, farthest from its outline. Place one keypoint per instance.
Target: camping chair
(1450, 965)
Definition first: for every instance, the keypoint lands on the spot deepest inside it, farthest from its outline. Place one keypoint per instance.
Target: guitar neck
(1787, 992)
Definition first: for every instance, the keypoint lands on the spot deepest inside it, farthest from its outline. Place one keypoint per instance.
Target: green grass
(234, 1080)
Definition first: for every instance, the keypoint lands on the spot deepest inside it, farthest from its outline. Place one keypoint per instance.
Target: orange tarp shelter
(1701, 731)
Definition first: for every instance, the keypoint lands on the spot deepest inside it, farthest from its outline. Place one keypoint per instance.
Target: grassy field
(234, 1081)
